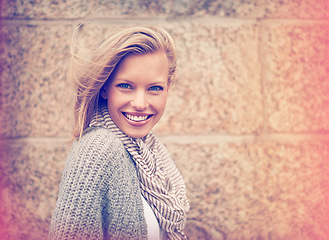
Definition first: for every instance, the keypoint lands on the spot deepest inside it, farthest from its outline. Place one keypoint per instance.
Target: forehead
(143, 65)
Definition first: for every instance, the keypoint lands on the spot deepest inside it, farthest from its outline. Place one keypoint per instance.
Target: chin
(137, 134)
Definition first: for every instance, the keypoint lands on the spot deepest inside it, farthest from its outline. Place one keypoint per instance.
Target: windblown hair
(90, 74)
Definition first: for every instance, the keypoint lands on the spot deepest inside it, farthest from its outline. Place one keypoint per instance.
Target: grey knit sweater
(99, 194)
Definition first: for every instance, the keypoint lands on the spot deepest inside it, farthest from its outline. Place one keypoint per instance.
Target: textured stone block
(296, 60)
(218, 85)
(255, 190)
(253, 9)
(30, 174)
(36, 95)
(175, 8)
(84, 9)
(243, 190)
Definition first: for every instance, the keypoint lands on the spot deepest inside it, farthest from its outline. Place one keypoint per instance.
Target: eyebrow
(164, 82)
(130, 82)
(122, 79)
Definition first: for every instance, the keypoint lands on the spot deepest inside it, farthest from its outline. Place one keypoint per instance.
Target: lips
(138, 118)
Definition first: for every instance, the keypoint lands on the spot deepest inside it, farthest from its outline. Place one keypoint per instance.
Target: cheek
(159, 103)
(116, 99)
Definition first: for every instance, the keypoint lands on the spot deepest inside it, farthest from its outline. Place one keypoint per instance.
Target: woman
(119, 181)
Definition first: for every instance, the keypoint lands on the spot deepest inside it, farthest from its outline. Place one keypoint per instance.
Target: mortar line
(119, 21)
(160, 20)
(215, 139)
(203, 138)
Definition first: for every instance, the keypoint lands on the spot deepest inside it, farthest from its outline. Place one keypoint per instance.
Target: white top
(154, 232)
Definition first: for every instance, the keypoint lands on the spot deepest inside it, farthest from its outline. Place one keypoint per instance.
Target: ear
(103, 92)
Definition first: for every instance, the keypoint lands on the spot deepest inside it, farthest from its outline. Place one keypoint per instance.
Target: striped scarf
(161, 183)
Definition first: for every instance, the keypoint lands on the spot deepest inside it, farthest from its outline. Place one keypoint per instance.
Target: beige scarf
(161, 183)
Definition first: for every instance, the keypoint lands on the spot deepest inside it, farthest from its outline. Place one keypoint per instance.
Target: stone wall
(247, 120)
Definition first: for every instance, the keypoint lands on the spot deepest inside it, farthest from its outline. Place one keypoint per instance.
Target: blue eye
(124, 85)
(156, 88)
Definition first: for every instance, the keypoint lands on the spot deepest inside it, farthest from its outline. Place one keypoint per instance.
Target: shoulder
(98, 150)
(97, 159)
(98, 141)
(99, 136)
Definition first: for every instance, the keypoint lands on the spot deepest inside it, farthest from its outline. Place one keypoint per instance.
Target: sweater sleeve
(83, 189)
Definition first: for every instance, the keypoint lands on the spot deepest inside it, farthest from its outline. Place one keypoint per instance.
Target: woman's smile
(137, 119)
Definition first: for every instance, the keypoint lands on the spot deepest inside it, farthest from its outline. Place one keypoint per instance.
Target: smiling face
(137, 93)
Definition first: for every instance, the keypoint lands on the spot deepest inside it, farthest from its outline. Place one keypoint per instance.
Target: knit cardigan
(99, 195)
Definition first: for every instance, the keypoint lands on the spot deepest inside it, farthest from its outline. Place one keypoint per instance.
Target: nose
(139, 101)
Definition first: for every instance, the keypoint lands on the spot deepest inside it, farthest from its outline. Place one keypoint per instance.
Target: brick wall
(247, 120)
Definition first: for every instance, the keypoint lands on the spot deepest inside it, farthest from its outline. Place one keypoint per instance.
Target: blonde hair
(89, 75)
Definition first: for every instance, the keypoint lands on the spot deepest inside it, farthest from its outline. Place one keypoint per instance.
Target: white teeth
(136, 118)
